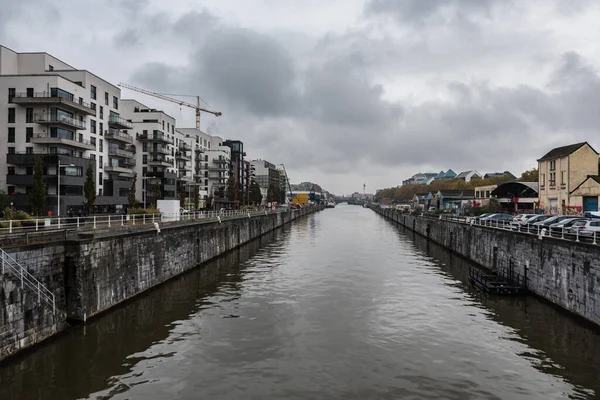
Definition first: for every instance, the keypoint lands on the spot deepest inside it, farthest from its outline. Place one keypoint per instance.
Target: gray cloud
(411, 85)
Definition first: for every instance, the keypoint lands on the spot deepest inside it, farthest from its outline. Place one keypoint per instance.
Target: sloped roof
(464, 174)
(564, 151)
(505, 173)
(595, 178)
(517, 189)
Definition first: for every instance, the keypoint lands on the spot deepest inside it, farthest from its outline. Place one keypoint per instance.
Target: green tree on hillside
(531, 175)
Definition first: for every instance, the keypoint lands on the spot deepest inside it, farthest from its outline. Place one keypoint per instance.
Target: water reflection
(562, 345)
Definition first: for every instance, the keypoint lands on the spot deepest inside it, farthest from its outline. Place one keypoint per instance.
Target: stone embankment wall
(101, 269)
(564, 272)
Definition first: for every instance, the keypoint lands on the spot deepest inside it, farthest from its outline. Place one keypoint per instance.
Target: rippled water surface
(341, 305)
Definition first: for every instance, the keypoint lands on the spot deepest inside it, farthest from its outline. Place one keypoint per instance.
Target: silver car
(588, 229)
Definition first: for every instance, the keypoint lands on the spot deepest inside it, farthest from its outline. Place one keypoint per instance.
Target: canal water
(339, 305)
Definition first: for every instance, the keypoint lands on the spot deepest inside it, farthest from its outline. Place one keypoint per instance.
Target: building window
(29, 115)
(477, 194)
(145, 159)
(28, 150)
(93, 107)
(543, 180)
(28, 134)
(100, 166)
(115, 102)
(100, 177)
(93, 94)
(562, 177)
(552, 178)
(11, 170)
(106, 98)
(92, 126)
(11, 150)
(50, 67)
(168, 126)
(145, 146)
(553, 165)
(93, 141)
(101, 146)
(164, 125)
(11, 93)
(93, 157)
(101, 128)
(101, 112)
(11, 135)
(11, 115)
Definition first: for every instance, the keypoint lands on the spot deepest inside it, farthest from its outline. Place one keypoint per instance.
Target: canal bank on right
(563, 272)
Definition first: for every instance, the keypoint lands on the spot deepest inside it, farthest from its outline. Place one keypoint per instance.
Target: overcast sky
(346, 92)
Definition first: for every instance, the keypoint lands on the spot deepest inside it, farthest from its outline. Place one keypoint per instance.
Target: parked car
(586, 228)
(537, 218)
(498, 218)
(549, 221)
(565, 223)
(479, 217)
(521, 219)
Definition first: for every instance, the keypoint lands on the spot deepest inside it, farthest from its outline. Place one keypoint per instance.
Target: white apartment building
(156, 142)
(61, 114)
(266, 174)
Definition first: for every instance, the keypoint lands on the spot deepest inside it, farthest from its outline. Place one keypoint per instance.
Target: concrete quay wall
(102, 269)
(563, 272)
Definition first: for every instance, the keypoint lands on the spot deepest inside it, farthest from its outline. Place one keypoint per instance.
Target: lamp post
(58, 184)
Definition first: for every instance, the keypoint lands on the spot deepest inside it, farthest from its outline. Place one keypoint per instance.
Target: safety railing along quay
(562, 233)
(59, 227)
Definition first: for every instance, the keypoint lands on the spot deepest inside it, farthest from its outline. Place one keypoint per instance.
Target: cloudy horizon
(351, 92)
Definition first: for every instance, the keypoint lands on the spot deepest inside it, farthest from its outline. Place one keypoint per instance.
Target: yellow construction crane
(181, 103)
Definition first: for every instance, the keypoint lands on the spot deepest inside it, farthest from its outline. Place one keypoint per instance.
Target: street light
(58, 185)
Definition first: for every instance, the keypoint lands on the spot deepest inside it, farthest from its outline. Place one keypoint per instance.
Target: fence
(10, 265)
(562, 233)
(62, 225)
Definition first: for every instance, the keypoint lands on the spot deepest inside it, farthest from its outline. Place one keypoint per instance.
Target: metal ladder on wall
(9, 264)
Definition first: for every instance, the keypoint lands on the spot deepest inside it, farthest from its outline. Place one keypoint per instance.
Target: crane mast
(196, 107)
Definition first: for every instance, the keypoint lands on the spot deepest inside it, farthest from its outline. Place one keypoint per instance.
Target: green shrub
(147, 211)
(6, 224)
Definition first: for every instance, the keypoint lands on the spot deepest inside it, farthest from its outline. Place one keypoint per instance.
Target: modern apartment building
(61, 114)
(266, 174)
(237, 164)
(153, 132)
(219, 168)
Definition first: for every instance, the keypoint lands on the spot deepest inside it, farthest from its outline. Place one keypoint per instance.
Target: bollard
(144, 219)
(58, 222)
(122, 220)
(109, 221)
(37, 222)
(78, 222)
(562, 235)
(10, 226)
(94, 222)
(577, 240)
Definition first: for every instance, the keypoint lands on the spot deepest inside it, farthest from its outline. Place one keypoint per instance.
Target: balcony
(221, 161)
(159, 162)
(53, 119)
(122, 169)
(185, 146)
(181, 155)
(120, 153)
(27, 180)
(199, 149)
(186, 178)
(115, 121)
(218, 168)
(46, 138)
(160, 151)
(62, 99)
(116, 136)
(156, 136)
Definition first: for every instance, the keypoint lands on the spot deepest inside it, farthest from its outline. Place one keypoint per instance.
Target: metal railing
(58, 94)
(11, 265)
(116, 134)
(49, 118)
(541, 231)
(116, 119)
(54, 224)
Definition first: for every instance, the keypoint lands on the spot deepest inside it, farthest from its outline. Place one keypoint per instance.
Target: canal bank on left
(87, 275)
